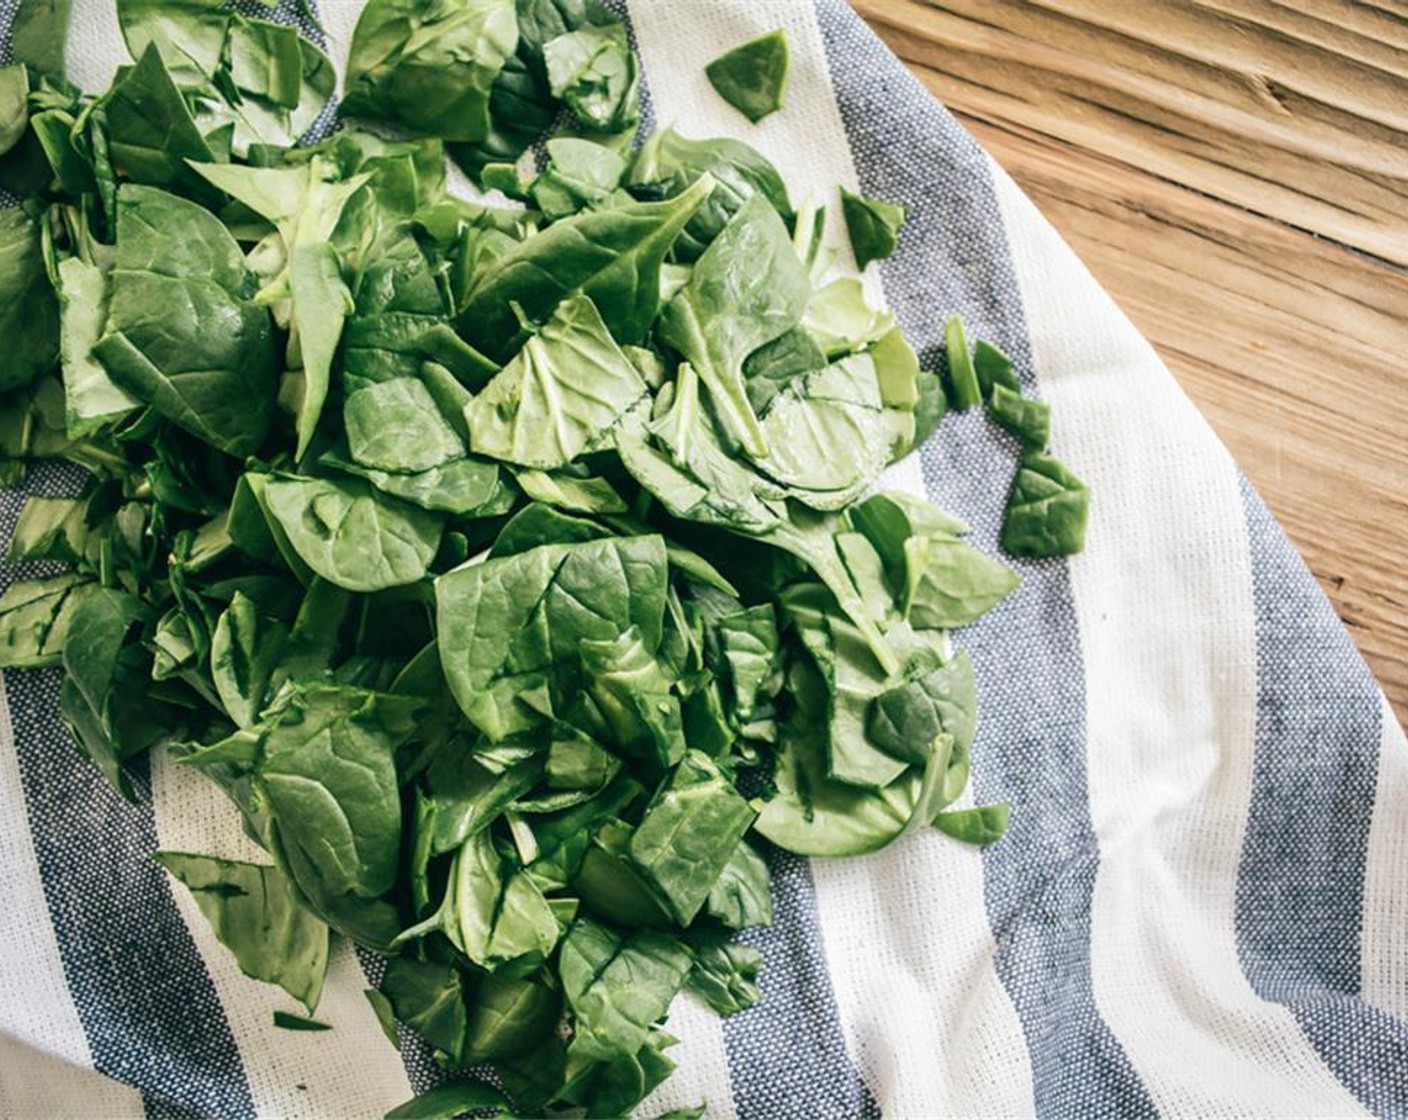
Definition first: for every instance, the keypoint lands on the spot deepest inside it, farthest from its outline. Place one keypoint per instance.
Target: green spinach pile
(517, 570)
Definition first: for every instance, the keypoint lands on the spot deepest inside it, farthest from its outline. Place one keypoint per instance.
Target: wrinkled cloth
(1199, 909)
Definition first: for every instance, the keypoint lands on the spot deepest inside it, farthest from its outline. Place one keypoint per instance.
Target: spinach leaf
(352, 536)
(246, 650)
(829, 434)
(1046, 509)
(813, 813)
(430, 997)
(993, 369)
(182, 333)
(579, 174)
(103, 701)
(689, 833)
(746, 290)
(634, 697)
(395, 426)
(739, 898)
(725, 976)
(497, 916)
(751, 647)
(984, 825)
(14, 105)
(613, 256)
(571, 493)
(842, 320)
(1028, 420)
(782, 362)
(430, 68)
(328, 777)
(873, 226)
(150, 131)
(611, 887)
(908, 716)
(561, 395)
(593, 70)
(965, 390)
(35, 616)
(305, 205)
(510, 1017)
(950, 584)
(670, 163)
(38, 34)
(256, 914)
(617, 986)
(29, 311)
(508, 627)
(753, 77)
(91, 398)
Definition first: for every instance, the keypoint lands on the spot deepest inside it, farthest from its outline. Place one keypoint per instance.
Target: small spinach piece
(725, 976)
(994, 368)
(14, 105)
(455, 1098)
(1046, 509)
(753, 77)
(873, 226)
(950, 584)
(635, 698)
(431, 997)
(1028, 420)
(35, 616)
(395, 426)
(593, 70)
(983, 825)
(511, 626)
(183, 334)
(739, 897)
(965, 391)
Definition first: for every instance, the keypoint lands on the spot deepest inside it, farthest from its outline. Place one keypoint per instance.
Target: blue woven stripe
(1030, 748)
(786, 1055)
(1300, 886)
(142, 993)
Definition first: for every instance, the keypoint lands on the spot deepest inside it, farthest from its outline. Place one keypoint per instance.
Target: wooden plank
(1294, 347)
(1249, 100)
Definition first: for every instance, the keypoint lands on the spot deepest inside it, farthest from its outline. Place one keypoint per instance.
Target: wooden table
(1235, 172)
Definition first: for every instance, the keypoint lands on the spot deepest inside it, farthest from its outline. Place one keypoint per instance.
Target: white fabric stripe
(702, 1073)
(1383, 941)
(45, 1063)
(35, 1085)
(95, 47)
(961, 1048)
(1171, 704)
(350, 1071)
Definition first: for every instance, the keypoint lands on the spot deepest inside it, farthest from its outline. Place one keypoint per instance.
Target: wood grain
(1235, 172)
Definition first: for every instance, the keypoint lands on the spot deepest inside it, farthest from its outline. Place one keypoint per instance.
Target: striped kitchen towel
(1201, 908)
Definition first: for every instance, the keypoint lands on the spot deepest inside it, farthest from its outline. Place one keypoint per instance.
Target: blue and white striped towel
(1201, 908)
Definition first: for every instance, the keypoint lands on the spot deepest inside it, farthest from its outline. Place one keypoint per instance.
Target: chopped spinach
(873, 225)
(515, 572)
